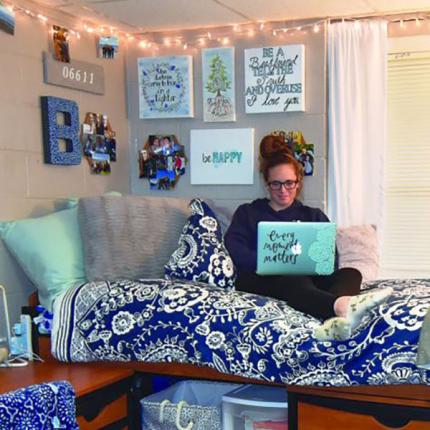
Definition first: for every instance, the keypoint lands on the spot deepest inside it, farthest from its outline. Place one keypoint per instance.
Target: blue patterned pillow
(201, 255)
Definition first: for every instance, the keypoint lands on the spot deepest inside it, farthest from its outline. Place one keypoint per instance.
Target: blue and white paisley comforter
(239, 333)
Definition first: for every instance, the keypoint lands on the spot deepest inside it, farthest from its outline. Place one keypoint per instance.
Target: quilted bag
(187, 405)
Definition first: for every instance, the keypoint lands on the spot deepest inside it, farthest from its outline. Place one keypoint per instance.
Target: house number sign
(78, 75)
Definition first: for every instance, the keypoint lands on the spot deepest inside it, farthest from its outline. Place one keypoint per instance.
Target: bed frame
(405, 407)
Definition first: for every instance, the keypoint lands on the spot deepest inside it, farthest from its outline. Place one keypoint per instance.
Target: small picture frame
(108, 47)
(60, 38)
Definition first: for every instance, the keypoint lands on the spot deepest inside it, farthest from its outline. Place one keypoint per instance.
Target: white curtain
(357, 57)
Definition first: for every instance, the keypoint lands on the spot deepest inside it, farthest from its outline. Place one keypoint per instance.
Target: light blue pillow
(49, 250)
(201, 254)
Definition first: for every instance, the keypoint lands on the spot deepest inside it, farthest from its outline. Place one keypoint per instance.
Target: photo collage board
(162, 161)
(98, 143)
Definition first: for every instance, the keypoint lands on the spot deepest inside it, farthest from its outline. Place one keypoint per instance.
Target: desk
(404, 407)
(101, 390)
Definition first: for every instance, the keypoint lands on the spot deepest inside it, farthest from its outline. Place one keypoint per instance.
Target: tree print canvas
(218, 85)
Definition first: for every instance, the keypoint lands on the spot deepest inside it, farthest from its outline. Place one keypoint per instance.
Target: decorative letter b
(68, 131)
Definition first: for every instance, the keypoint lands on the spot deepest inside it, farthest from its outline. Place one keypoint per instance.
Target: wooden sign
(78, 75)
(275, 79)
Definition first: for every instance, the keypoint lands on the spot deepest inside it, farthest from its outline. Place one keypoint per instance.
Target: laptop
(296, 248)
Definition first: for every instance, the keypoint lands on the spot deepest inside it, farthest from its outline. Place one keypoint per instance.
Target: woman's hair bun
(274, 146)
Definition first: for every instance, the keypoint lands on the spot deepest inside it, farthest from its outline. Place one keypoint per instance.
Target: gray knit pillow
(129, 237)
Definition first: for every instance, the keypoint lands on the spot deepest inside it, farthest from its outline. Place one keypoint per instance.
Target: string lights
(225, 35)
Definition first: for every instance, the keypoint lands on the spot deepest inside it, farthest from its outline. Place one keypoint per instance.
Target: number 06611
(77, 75)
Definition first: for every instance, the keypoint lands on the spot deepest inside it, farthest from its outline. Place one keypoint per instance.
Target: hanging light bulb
(316, 28)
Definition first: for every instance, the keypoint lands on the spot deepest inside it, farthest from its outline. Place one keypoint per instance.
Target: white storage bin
(253, 407)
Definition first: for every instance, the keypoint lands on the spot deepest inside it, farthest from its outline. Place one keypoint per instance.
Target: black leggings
(314, 295)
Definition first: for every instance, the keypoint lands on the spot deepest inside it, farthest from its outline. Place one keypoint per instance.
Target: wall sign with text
(166, 87)
(275, 79)
(78, 75)
(222, 156)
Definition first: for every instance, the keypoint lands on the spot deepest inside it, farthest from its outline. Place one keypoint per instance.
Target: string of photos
(162, 161)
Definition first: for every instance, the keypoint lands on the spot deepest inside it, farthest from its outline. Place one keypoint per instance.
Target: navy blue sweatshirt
(241, 237)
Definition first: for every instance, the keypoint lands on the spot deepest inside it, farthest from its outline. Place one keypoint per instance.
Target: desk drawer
(315, 417)
(112, 413)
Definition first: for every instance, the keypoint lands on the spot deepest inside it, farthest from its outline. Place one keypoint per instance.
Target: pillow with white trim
(201, 254)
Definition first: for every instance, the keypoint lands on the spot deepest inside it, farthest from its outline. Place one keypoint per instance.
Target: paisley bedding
(45, 406)
(155, 320)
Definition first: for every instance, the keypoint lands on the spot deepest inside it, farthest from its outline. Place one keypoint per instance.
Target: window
(406, 233)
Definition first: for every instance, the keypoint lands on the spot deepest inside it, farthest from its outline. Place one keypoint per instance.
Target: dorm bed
(190, 327)
(238, 333)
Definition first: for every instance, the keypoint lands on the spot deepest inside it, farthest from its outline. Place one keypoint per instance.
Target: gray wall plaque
(78, 75)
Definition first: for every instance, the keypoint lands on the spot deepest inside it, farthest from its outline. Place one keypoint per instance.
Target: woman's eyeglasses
(277, 185)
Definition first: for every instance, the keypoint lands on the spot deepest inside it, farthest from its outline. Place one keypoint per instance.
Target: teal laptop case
(299, 248)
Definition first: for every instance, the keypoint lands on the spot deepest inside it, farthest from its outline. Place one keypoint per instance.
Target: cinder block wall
(28, 187)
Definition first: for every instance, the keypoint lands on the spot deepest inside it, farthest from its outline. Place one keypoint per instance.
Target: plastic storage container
(255, 407)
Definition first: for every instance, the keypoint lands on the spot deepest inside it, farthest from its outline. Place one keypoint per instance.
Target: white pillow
(358, 247)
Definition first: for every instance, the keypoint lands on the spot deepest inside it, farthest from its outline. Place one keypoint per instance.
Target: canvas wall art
(275, 79)
(166, 87)
(222, 156)
(218, 85)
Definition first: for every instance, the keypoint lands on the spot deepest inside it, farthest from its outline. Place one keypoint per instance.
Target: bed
(239, 334)
(184, 318)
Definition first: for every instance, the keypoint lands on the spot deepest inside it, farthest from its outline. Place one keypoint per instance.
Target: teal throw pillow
(49, 250)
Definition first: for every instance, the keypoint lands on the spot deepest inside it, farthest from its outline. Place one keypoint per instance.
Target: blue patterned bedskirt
(239, 333)
(39, 407)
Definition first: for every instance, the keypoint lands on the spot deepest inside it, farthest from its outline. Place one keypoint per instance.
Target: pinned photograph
(303, 152)
(98, 143)
(7, 19)
(162, 160)
(108, 47)
(60, 37)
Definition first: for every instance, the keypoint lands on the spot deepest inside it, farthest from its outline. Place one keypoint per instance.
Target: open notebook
(300, 248)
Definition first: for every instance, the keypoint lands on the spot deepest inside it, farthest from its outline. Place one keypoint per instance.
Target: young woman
(334, 297)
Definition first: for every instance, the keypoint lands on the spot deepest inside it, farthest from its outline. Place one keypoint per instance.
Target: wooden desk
(101, 390)
(405, 407)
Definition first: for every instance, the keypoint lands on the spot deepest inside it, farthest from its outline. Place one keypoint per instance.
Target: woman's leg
(300, 292)
(342, 282)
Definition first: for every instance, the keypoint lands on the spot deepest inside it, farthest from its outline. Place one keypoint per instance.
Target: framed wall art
(223, 156)
(218, 85)
(166, 87)
(275, 79)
